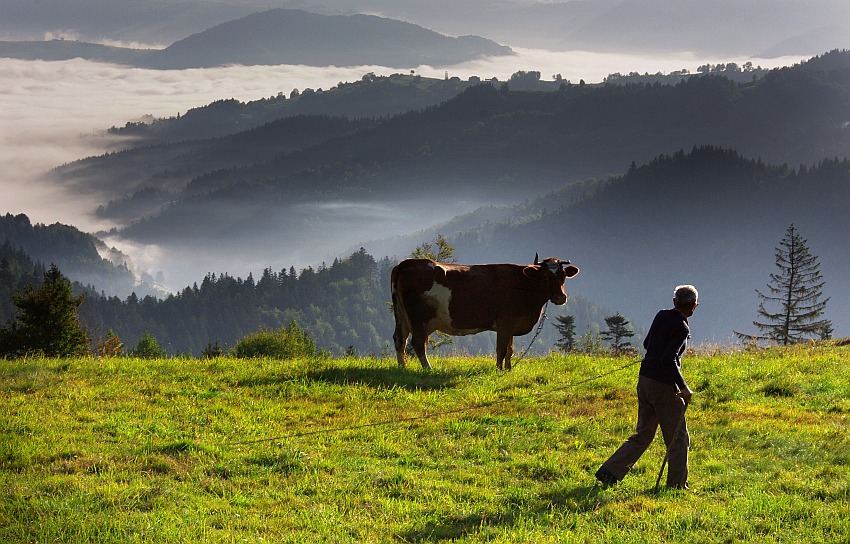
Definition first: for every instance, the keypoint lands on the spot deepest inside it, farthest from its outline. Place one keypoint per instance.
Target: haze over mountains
(327, 184)
(718, 27)
(388, 162)
(281, 36)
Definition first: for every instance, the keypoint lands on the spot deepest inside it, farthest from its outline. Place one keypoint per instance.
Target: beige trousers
(659, 404)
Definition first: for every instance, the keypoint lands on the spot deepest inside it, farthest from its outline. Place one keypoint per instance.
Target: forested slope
(708, 216)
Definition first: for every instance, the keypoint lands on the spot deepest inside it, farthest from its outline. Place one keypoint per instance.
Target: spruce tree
(148, 347)
(794, 294)
(618, 328)
(47, 322)
(566, 327)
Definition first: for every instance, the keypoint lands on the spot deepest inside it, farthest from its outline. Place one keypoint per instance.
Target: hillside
(485, 146)
(192, 451)
(342, 306)
(80, 256)
(283, 36)
(371, 96)
(69, 49)
(719, 28)
(709, 217)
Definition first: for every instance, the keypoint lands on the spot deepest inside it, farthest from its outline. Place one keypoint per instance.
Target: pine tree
(148, 347)
(441, 251)
(796, 289)
(566, 327)
(618, 328)
(46, 321)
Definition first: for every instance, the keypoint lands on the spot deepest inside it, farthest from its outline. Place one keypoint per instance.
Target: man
(662, 395)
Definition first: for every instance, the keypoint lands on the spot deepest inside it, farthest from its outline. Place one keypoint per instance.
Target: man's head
(685, 299)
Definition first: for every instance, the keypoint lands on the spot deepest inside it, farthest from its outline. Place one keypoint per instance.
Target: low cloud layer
(56, 112)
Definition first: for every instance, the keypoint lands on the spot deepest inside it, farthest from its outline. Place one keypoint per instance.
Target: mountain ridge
(708, 216)
(282, 36)
(717, 28)
(412, 170)
(495, 138)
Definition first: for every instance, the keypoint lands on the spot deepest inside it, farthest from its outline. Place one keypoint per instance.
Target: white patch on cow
(439, 297)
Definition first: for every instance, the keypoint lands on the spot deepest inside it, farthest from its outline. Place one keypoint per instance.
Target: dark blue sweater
(665, 343)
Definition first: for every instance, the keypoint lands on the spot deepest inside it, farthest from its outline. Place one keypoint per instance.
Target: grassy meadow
(357, 450)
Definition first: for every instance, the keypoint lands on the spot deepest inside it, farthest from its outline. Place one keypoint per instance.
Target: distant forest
(622, 232)
(762, 155)
(512, 141)
(344, 307)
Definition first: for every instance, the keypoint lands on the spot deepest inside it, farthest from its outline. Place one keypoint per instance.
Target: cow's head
(551, 273)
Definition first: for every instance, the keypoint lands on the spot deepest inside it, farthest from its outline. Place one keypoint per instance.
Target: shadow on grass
(578, 500)
(585, 498)
(376, 378)
(456, 527)
(386, 378)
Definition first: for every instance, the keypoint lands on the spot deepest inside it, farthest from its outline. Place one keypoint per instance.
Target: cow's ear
(570, 271)
(530, 271)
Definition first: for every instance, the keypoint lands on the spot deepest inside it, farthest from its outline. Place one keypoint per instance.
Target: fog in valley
(239, 188)
(56, 112)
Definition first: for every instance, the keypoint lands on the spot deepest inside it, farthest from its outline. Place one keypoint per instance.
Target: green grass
(338, 450)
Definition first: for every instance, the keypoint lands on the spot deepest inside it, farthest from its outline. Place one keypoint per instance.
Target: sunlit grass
(358, 450)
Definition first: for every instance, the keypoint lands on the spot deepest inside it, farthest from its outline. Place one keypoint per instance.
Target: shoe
(605, 477)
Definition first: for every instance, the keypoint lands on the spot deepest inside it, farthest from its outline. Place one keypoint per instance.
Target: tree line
(340, 303)
(343, 308)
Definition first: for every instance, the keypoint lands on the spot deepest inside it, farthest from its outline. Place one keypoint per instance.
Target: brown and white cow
(458, 300)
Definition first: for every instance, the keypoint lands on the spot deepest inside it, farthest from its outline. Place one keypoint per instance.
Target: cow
(457, 299)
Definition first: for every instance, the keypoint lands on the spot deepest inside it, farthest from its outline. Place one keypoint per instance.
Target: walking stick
(667, 452)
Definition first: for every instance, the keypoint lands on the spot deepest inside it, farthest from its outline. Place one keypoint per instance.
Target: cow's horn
(566, 263)
(535, 260)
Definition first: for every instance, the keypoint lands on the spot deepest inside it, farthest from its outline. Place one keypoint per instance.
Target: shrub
(109, 346)
(148, 348)
(212, 351)
(284, 343)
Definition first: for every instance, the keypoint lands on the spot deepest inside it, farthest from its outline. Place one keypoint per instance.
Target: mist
(52, 113)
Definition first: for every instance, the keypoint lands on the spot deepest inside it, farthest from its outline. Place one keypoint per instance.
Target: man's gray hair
(685, 296)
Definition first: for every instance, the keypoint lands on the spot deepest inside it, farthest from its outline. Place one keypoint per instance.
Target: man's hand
(686, 394)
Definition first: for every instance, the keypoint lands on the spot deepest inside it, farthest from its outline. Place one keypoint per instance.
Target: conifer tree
(148, 347)
(46, 321)
(794, 294)
(566, 327)
(618, 328)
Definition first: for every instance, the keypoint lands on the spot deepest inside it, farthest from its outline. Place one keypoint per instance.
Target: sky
(52, 113)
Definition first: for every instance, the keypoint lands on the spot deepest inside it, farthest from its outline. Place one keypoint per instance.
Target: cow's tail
(402, 320)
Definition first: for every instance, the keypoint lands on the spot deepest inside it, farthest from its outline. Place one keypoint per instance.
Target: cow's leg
(509, 353)
(504, 350)
(419, 340)
(400, 340)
